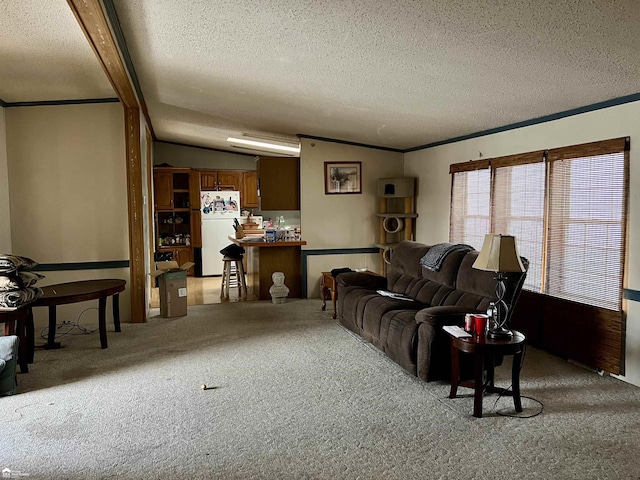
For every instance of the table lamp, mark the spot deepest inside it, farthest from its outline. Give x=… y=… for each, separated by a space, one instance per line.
x=500 y=255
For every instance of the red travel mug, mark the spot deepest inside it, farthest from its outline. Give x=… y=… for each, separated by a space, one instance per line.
x=480 y=323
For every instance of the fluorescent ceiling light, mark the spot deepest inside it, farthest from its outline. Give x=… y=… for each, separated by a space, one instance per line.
x=259 y=144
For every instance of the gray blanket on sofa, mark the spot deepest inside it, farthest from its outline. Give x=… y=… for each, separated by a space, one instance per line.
x=436 y=254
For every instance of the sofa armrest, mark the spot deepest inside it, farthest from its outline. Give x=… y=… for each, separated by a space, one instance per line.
x=369 y=281
x=443 y=315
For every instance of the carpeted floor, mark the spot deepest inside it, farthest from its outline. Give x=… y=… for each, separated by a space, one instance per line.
x=293 y=395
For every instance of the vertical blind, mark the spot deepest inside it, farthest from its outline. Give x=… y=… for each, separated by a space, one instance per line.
x=568 y=214
x=588 y=191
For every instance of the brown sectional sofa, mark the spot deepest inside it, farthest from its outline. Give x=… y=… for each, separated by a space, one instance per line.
x=410 y=332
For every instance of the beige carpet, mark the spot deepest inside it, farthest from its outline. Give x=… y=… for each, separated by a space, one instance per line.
x=296 y=396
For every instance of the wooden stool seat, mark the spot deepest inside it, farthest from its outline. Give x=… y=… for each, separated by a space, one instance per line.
x=233 y=276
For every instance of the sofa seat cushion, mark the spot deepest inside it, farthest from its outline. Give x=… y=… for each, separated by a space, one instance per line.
x=373 y=310
x=399 y=337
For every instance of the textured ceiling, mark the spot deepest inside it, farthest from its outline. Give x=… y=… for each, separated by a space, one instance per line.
x=397 y=74
x=44 y=54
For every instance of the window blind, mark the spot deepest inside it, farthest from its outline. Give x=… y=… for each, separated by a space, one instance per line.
x=588 y=192
x=518 y=205
x=470 y=203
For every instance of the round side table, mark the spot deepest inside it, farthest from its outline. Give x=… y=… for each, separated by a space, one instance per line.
x=483 y=348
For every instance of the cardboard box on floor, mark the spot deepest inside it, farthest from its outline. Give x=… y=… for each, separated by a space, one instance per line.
x=172 y=280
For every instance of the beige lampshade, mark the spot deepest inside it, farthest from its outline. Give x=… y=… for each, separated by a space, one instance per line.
x=499 y=254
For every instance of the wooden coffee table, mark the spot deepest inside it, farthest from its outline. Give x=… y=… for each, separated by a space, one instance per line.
x=482 y=347
x=73 y=292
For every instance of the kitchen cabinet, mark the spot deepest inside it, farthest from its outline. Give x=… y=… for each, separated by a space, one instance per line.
x=279 y=183
x=220 y=179
x=196 y=225
x=182 y=255
x=229 y=180
x=174 y=196
x=171 y=188
x=249 y=195
x=163 y=190
x=244 y=181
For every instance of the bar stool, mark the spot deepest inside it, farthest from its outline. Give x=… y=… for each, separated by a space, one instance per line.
x=233 y=269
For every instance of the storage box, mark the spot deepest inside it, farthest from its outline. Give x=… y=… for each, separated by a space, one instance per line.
x=172 y=280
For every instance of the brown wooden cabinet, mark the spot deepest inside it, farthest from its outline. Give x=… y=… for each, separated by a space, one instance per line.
x=174 y=212
x=163 y=190
x=279 y=183
x=244 y=181
x=220 y=179
x=249 y=196
x=229 y=180
x=208 y=180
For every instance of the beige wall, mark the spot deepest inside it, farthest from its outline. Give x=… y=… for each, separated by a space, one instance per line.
x=5 y=224
x=67 y=177
x=340 y=221
x=431 y=166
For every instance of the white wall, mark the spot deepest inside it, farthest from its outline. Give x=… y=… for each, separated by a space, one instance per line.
x=68 y=184
x=431 y=166
x=5 y=223
x=340 y=221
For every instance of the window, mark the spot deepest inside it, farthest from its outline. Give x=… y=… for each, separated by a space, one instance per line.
x=470 y=203
x=518 y=207
x=567 y=209
x=587 y=218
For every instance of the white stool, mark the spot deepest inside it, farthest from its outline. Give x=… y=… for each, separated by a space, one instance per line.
x=233 y=269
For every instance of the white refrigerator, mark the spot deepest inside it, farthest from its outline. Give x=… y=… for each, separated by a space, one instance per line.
x=219 y=209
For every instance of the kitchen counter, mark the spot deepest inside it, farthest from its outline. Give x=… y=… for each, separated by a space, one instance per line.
x=262 y=243
x=264 y=258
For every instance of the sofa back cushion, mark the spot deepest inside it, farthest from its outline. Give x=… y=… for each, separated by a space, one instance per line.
x=476 y=289
x=407 y=276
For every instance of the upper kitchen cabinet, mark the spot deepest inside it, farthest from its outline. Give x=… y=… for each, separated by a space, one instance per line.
x=229 y=180
x=220 y=179
x=249 y=197
x=244 y=181
x=279 y=183
x=171 y=188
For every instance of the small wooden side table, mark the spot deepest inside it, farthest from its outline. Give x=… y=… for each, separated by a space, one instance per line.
x=328 y=289
x=482 y=347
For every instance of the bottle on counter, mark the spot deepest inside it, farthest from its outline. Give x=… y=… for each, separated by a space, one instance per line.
x=281 y=224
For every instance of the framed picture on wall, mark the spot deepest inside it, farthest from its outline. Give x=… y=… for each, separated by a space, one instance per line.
x=342 y=178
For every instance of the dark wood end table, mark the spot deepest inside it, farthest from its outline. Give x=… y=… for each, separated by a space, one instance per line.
x=482 y=347
x=73 y=292
x=328 y=290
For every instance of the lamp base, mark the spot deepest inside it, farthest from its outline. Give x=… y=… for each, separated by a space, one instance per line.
x=499 y=333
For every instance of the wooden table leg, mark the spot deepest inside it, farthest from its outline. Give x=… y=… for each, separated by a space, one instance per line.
x=478 y=367
x=51 y=343
x=455 y=371
x=102 y=321
x=23 y=355
x=116 y=312
x=31 y=338
x=515 y=380
x=334 y=299
x=323 y=294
